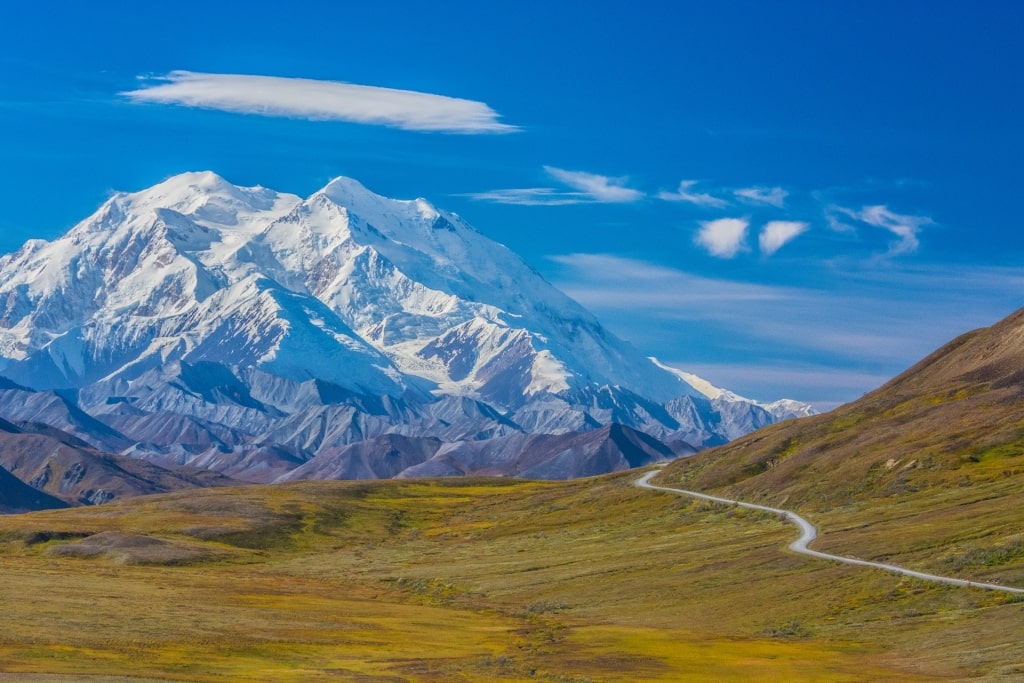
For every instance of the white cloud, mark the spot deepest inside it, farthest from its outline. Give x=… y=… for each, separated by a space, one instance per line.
x=904 y=227
x=633 y=284
x=683 y=194
x=773 y=196
x=315 y=100
x=835 y=223
x=724 y=237
x=588 y=188
x=777 y=233
x=881 y=315
x=601 y=188
x=530 y=196
x=615 y=266
x=859 y=323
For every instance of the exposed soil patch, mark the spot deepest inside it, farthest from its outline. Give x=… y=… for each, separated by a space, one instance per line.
x=124 y=548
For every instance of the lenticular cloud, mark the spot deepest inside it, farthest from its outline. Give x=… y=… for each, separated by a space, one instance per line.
x=315 y=100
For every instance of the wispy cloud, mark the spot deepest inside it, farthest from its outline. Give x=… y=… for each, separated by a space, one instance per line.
x=601 y=188
x=724 y=237
x=316 y=100
x=530 y=196
x=683 y=194
x=586 y=188
x=904 y=227
x=775 y=234
x=772 y=196
x=863 y=328
x=835 y=223
x=640 y=284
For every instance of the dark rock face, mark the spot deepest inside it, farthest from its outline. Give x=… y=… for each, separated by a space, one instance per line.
x=62 y=470
x=16 y=496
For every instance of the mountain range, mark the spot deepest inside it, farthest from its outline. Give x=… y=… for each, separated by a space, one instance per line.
x=924 y=473
x=197 y=324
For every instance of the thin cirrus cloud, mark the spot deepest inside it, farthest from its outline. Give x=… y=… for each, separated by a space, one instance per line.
x=724 y=237
x=775 y=234
x=615 y=282
x=958 y=297
x=600 y=188
x=530 y=196
x=317 y=100
x=584 y=188
x=684 y=194
x=771 y=196
x=904 y=227
x=852 y=326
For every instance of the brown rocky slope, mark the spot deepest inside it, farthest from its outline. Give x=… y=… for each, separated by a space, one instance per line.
x=955 y=418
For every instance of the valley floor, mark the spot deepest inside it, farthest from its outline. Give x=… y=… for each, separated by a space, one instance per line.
x=468 y=580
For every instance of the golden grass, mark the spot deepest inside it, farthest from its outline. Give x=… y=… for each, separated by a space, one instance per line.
x=473 y=580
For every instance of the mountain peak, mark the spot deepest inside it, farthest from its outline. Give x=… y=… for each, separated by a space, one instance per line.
x=191 y=183
x=211 y=200
x=345 y=185
x=398 y=306
x=374 y=208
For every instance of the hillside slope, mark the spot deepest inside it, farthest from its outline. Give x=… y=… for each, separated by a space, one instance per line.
x=934 y=459
x=958 y=413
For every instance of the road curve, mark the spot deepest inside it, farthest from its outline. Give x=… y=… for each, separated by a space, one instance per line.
x=808 y=533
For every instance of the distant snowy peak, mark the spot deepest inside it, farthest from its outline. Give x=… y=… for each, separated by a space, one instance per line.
x=699 y=383
x=787 y=408
x=782 y=409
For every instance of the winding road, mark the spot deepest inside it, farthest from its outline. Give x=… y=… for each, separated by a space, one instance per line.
x=808 y=533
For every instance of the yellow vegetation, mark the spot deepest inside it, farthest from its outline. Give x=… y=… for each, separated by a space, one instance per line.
x=470 y=580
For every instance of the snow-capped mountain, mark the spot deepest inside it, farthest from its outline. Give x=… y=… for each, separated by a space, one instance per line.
x=782 y=409
x=242 y=328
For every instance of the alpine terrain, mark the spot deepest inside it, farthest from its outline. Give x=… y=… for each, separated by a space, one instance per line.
x=268 y=337
x=504 y=579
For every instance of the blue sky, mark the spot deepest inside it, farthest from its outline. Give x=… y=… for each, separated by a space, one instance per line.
x=788 y=198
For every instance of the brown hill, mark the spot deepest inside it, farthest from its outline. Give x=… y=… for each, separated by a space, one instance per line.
x=612 y=448
x=53 y=462
x=17 y=496
x=927 y=470
x=956 y=417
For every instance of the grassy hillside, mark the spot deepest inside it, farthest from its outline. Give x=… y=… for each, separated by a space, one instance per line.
x=927 y=471
x=468 y=580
